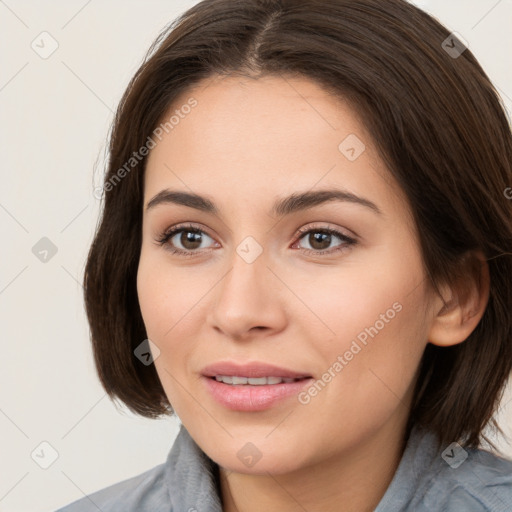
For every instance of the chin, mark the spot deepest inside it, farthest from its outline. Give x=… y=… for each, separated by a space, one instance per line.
x=254 y=459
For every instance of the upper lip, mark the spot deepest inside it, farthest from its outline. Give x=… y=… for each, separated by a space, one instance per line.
x=254 y=369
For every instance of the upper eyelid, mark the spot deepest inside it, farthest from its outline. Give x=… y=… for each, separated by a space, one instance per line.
x=298 y=233
x=347 y=241
x=327 y=227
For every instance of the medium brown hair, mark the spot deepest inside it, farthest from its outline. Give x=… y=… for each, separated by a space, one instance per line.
x=438 y=124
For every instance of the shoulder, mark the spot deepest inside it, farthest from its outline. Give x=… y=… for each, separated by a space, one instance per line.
x=448 y=478
x=482 y=482
x=146 y=491
x=187 y=481
x=473 y=480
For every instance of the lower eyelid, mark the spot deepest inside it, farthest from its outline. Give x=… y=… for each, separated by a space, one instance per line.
x=346 y=241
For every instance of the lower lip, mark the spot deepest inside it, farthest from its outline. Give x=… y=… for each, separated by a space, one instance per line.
x=253 y=398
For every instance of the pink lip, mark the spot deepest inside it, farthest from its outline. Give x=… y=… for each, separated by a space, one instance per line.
x=255 y=369
x=252 y=398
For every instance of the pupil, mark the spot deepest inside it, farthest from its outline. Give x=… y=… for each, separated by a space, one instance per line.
x=319 y=238
x=190 y=240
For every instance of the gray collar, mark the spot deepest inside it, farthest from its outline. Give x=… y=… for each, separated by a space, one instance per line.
x=192 y=477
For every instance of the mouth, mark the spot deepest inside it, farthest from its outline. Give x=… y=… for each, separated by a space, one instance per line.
x=234 y=380
x=252 y=387
x=254 y=370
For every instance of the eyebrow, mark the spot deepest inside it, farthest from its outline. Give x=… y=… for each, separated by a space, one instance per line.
x=284 y=206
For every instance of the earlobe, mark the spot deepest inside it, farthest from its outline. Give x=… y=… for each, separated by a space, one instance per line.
x=461 y=312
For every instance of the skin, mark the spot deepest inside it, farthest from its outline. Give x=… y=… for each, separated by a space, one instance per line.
x=247 y=143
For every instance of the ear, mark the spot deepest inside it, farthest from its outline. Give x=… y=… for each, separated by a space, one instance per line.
x=465 y=302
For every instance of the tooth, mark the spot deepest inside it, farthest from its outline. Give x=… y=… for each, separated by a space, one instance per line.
x=253 y=381
x=260 y=381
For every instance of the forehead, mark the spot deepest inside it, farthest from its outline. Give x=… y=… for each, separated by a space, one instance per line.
x=270 y=136
x=259 y=118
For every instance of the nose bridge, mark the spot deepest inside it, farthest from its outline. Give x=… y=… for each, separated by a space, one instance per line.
x=246 y=296
x=247 y=281
x=249 y=258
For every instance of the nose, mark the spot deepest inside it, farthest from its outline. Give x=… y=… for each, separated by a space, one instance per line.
x=248 y=301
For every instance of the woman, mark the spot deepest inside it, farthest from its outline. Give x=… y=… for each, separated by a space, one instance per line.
x=305 y=250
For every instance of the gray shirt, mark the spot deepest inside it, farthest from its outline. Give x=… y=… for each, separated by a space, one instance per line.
x=427 y=479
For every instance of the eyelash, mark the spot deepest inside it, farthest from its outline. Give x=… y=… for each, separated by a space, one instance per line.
x=164 y=238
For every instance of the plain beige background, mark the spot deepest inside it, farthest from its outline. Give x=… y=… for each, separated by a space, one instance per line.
x=56 y=113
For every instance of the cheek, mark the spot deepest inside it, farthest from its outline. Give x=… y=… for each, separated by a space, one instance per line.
x=381 y=334
x=166 y=295
x=154 y=296
x=164 y=305
x=373 y=294
x=369 y=312
x=171 y=300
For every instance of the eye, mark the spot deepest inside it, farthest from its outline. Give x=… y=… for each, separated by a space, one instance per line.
x=319 y=240
x=190 y=237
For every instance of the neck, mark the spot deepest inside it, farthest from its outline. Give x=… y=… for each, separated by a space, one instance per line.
x=353 y=481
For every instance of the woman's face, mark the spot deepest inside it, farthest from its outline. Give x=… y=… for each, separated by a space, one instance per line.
x=251 y=296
